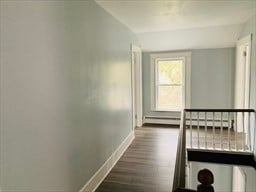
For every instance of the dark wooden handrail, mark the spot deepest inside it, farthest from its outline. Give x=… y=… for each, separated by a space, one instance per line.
x=179 y=173
x=220 y=110
x=179 y=189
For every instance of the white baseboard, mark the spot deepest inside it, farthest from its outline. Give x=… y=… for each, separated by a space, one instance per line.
x=176 y=121
x=99 y=176
x=160 y=120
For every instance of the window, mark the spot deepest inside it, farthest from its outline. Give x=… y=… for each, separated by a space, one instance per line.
x=169 y=84
x=170 y=77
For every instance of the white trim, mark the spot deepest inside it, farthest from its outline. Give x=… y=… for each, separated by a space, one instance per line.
x=103 y=171
x=133 y=90
x=136 y=68
x=135 y=48
x=244 y=40
x=188 y=80
x=186 y=55
x=176 y=121
x=171 y=54
x=242 y=79
x=159 y=120
x=239 y=179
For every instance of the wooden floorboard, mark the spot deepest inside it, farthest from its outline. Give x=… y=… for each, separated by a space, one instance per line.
x=147 y=165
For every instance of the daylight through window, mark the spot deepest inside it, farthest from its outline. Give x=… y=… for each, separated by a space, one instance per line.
x=169 y=83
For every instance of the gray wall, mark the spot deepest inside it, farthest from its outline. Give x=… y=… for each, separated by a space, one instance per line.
x=65 y=93
x=212 y=73
x=250 y=27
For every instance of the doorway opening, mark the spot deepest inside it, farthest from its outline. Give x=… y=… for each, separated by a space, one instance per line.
x=242 y=83
x=136 y=86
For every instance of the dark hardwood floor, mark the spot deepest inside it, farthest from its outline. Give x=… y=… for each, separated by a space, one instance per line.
x=147 y=165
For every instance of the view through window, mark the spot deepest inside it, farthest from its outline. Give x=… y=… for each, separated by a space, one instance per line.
x=169 y=81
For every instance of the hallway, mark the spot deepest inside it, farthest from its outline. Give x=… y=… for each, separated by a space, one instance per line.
x=147 y=165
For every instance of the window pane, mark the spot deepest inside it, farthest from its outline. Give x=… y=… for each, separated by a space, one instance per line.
x=169 y=97
x=170 y=72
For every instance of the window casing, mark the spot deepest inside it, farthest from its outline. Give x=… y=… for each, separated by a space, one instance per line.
x=170 y=80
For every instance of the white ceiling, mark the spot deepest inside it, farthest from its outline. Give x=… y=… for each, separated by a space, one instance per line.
x=195 y=38
x=158 y=16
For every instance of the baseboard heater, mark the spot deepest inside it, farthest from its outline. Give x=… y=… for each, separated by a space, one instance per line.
x=161 y=120
x=176 y=121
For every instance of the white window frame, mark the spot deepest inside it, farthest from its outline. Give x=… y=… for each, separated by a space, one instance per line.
x=186 y=57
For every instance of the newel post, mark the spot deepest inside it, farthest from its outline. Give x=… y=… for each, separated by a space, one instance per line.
x=205 y=177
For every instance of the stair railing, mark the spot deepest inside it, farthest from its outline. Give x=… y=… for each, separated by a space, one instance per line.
x=220 y=129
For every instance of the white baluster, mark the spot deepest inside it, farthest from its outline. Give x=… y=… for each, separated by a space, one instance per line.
x=221 y=130
x=229 y=127
x=213 y=131
x=243 y=132
x=235 y=118
x=249 y=131
x=190 y=115
x=205 y=130
x=198 y=142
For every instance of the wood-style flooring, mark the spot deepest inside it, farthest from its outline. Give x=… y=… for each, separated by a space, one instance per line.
x=147 y=165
